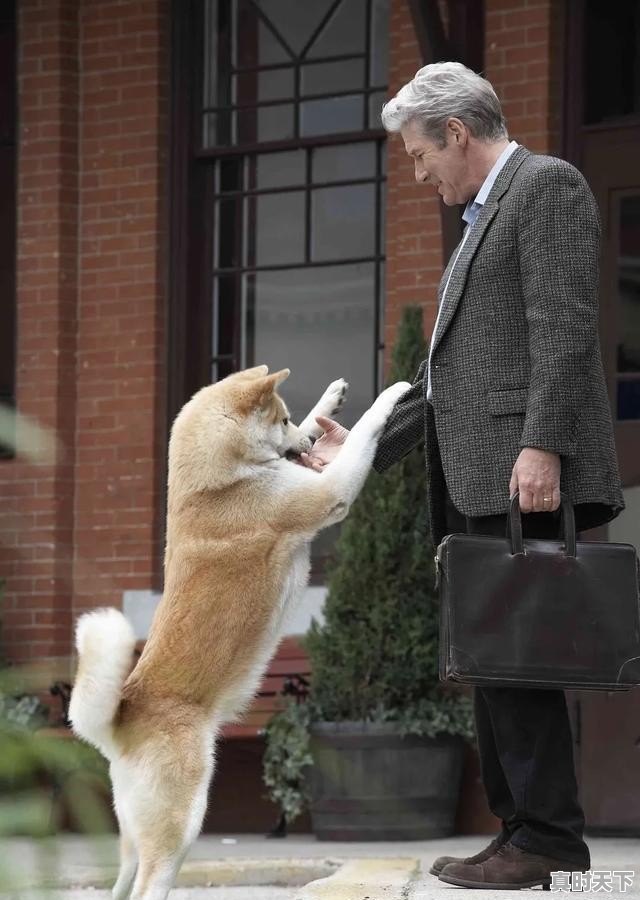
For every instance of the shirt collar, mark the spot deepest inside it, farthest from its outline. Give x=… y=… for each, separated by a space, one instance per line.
x=474 y=206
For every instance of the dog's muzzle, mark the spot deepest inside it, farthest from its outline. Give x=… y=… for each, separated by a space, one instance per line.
x=294 y=454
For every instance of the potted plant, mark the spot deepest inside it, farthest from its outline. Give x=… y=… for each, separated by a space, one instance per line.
x=385 y=737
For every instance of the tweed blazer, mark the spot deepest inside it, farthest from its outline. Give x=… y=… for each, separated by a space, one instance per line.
x=515 y=361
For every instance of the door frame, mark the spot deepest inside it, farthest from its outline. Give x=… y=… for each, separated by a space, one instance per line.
x=610 y=165
x=599 y=719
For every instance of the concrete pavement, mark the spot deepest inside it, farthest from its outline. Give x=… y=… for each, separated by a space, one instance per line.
x=247 y=867
x=233 y=893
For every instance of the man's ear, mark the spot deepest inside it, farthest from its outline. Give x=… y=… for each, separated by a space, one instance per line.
x=458 y=130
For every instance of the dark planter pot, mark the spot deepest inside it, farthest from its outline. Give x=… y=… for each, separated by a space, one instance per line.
x=368 y=783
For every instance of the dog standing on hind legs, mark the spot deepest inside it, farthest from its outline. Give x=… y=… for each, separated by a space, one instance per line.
x=240 y=519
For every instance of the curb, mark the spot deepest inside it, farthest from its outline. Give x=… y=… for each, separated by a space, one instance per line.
x=319 y=879
x=365 y=879
x=215 y=873
x=254 y=872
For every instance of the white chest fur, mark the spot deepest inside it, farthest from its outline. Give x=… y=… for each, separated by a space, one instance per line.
x=295 y=582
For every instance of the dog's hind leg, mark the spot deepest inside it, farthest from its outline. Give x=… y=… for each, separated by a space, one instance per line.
x=163 y=847
x=128 y=853
x=166 y=810
x=128 y=866
x=156 y=876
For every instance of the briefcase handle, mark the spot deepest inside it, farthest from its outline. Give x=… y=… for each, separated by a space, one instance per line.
x=568 y=520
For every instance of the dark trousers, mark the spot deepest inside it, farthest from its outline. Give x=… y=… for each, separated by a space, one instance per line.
x=524 y=740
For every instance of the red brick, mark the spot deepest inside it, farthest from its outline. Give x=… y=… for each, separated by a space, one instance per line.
x=60 y=66
x=521 y=55
x=520 y=18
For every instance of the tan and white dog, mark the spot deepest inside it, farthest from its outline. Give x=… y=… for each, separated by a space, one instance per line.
x=239 y=524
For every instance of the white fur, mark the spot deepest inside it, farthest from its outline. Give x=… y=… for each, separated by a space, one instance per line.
x=105 y=643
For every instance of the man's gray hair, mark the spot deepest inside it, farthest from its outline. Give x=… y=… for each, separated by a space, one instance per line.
x=444 y=90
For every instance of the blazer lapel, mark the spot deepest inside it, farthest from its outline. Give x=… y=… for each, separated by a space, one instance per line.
x=445 y=274
x=459 y=268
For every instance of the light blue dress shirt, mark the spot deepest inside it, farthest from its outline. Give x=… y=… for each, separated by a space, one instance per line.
x=470 y=215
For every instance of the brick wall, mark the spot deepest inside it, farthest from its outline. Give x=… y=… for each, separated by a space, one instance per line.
x=80 y=526
x=120 y=374
x=413 y=237
x=37 y=520
x=523 y=57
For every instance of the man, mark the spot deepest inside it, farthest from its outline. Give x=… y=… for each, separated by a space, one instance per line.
x=511 y=398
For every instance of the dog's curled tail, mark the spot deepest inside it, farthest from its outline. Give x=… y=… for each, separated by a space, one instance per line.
x=105 y=643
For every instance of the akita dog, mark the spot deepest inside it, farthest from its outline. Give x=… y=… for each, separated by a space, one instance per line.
x=240 y=519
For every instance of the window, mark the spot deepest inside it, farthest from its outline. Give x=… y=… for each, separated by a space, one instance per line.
x=628 y=347
x=611 y=60
x=298 y=248
x=7 y=205
x=290 y=127
x=283 y=69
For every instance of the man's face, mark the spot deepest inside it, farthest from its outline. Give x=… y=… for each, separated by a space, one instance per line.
x=446 y=168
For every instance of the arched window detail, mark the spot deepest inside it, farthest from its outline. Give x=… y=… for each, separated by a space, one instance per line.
x=291 y=135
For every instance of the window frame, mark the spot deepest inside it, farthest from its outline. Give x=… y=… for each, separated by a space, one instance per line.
x=225 y=101
x=237 y=352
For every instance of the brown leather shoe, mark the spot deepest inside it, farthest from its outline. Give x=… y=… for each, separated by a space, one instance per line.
x=442 y=861
x=508 y=868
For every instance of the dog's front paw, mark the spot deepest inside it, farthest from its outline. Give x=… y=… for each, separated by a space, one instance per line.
x=333 y=398
x=384 y=404
x=390 y=396
x=397 y=390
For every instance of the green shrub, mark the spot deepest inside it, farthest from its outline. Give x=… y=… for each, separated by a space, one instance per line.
x=286 y=758
x=44 y=778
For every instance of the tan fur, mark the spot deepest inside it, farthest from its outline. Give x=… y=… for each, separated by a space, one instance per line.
x=239 y=522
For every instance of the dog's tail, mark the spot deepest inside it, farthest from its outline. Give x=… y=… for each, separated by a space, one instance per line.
x=105 y=643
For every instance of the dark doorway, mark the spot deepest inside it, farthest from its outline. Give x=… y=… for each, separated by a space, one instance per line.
x=602 y=120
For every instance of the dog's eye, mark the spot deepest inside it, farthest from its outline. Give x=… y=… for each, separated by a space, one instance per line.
x=285 y=422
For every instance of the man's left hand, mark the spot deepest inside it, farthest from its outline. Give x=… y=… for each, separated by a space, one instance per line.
x=536 y=475
x=327 y=447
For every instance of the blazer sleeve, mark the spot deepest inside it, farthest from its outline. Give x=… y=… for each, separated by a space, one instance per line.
x=558 y=248
x=405 y=426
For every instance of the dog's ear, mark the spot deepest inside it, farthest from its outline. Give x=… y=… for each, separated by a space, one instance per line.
x=279 y=377
x=258 y=392
x=268 y=385
x=250 y=374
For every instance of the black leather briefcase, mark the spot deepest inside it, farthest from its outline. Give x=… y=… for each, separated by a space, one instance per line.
x=539 y=613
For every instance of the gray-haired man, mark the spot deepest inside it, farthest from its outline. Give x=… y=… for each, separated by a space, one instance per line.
x=511 y=398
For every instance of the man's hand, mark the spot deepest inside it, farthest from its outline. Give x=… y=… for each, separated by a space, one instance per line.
x=536 y=475
x=327 y=447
